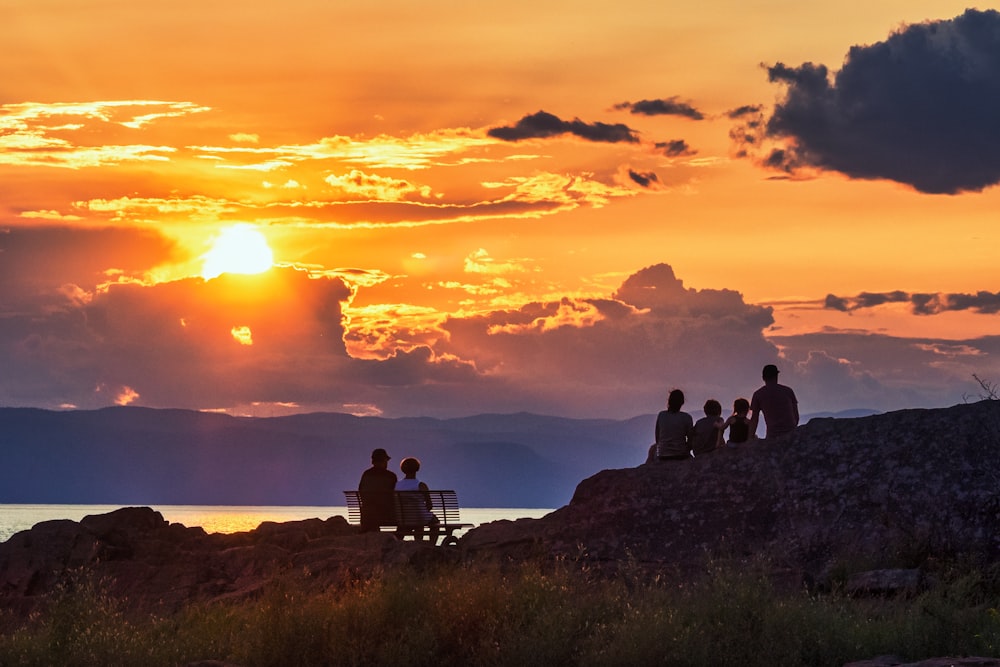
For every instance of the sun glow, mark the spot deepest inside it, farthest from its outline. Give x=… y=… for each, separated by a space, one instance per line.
x=237 y=249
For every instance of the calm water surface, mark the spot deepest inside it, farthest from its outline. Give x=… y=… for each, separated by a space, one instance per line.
x=223 y=518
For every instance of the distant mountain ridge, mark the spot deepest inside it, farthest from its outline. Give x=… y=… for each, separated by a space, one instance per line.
x=131 y=455
x=135 y=455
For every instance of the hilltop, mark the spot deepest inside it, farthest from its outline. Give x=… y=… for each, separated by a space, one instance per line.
x=889 y=490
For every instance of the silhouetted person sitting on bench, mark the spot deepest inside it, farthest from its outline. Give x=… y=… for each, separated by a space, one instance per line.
x=415 y=503
x=376 y=493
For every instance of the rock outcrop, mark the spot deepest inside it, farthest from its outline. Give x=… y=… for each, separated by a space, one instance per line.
x=150 y=564
x=885 y=491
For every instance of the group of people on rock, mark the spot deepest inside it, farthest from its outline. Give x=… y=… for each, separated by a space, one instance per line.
x=377 y=493
x=679 y=437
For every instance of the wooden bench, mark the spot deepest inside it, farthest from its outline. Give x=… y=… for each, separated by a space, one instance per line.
x=409 y=515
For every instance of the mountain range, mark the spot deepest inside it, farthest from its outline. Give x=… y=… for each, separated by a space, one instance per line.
x=145 y=456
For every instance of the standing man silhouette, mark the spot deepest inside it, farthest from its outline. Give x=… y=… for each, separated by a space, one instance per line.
x=777 y=402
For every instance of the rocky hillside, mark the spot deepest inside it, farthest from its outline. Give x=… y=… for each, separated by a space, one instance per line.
x=887 y=491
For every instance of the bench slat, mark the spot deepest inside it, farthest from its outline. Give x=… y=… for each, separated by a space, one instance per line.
x=409 y=514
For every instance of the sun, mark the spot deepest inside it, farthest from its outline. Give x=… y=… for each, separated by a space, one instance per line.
x=237 y=249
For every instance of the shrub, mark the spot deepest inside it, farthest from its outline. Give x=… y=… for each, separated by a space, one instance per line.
x=496 y=614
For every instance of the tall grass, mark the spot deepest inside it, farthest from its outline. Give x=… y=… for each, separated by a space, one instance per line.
x=523 y=615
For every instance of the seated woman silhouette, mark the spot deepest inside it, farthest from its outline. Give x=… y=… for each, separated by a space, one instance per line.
x=415 y=503
x=674 y=429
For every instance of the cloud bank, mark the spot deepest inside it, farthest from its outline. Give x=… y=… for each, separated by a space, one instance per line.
x=919 y=108
x=288 y=338
x=983 y=302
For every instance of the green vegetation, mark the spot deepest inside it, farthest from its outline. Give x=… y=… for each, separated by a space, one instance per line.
x=526 y=615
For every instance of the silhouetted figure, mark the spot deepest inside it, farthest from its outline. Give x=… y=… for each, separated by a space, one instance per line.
x=376 y=493
x=707 y=434
x=738 y=423
x=777 y=402
x=415 y=505
x=673 y=430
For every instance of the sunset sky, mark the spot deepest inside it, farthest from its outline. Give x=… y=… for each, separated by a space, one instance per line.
x=448 y=208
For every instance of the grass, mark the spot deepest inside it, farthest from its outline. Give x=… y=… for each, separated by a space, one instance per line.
x=504 y=614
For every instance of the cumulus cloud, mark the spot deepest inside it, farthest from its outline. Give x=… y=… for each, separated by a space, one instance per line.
x=984 y=302
x=372 y=186
x=542 y=125
x=919 y=108
x=653 y=333
x=846 y=370
x=671 y=106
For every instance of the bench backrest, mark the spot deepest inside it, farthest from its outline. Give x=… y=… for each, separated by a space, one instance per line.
x=408 y=505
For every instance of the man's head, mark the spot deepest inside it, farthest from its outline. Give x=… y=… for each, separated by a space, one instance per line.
x=675 y=400
x=770 y=373
x=379 y=457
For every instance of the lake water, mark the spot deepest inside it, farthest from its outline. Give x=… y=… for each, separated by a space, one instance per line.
x=223 y=518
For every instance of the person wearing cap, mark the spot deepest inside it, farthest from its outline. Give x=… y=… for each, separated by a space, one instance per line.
x=778 y=404
x=375 y=491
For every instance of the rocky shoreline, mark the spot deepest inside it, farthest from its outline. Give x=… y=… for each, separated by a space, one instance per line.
x=883 y=496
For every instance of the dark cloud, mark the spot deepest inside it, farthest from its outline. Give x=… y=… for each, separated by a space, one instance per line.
x=542 y=124
x=834 y=302
x=986 y=303
x=670 y=106
x=645 y=179
x=744 y=111
x=675 y=148
x=919 y=108
x=872 y=299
